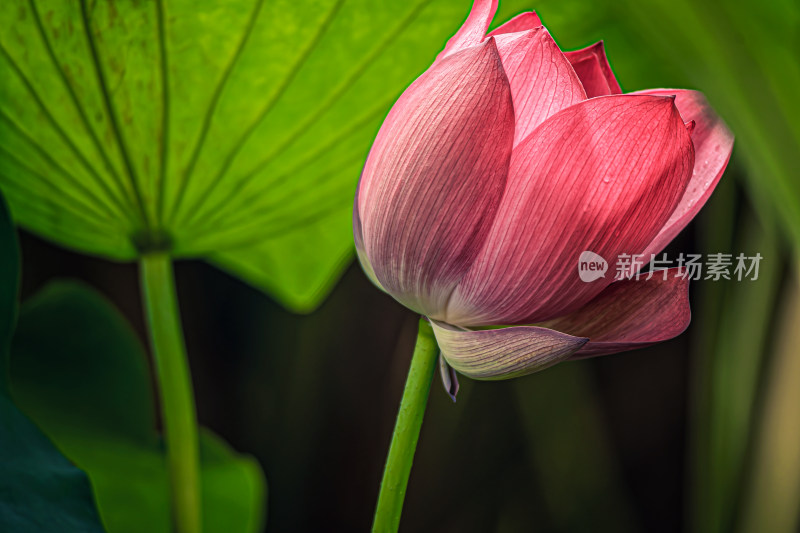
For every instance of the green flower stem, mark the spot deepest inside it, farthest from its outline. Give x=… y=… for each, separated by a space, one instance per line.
x=175 y=389
x=406 y=431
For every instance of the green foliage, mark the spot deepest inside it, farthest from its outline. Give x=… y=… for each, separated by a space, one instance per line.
x=731 y=347
x=87 y=384
x=231 y=130
x=744 y=58
x=40 y=490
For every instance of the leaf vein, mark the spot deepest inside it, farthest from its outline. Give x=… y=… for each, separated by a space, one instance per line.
x=56 y=125
x=118 y=200
x=335 y=95
x=165 y=107
x=206 y=125
x=103 y=85
x=67 y=206
x=276 y=97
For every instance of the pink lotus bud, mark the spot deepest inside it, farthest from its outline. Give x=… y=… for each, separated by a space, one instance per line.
x=503 y=163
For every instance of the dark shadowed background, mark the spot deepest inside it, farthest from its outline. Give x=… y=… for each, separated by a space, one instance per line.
x=593 y=445
x=697 y=434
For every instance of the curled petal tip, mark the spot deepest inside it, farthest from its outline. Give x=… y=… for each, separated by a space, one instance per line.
x=598 y=46
x=474 y=28
x=522 y=22
x=712 y=142
x=542 y=80
x=592 y=67
x=690 y=126
x=449 y=378
x=666 y=100
x=669 y=104
x=488 y=48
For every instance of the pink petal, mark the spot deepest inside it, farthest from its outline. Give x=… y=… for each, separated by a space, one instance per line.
x=522 y=22
x=358 y=237
x=591 y=65
x=542 y=80
x=503 y=353
x=435 y=176
x=604 y=176
x=713 y=143
x=473 y=31
x=631 y=314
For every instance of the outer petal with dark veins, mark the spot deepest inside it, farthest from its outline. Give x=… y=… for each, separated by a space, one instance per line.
x=591 y=65
x=542 y=80
x=631 y=313
x=603 y=175
x=435 y=176
x=504 y=352
x=713 y=143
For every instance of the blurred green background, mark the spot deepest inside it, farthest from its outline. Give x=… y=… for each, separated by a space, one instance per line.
x=699 y=434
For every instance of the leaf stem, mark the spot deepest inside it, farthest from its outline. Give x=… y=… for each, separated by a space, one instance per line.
x=406 y=432
x=175 y=389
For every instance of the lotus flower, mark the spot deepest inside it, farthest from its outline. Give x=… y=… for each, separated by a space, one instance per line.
x=505 y=161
